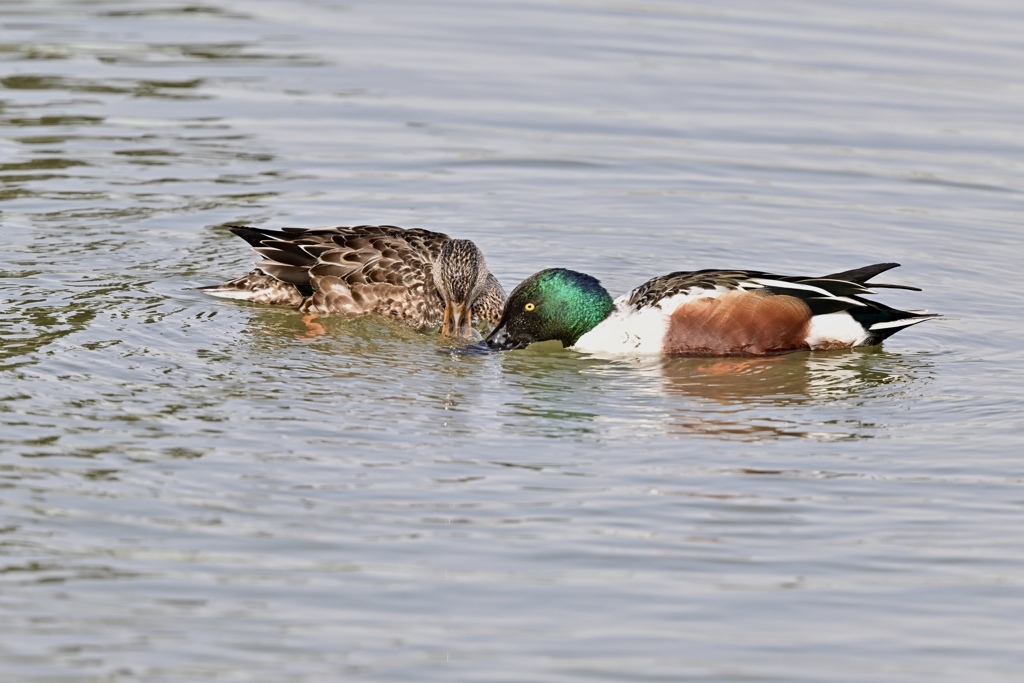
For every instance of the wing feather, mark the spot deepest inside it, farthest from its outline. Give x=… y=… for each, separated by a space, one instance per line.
x=829 y=294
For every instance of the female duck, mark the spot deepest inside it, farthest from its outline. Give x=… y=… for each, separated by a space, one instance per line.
x=701 y=313
x=418 y=277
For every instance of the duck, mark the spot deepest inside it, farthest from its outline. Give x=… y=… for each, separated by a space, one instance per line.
x=700 y=313
x=415 y=276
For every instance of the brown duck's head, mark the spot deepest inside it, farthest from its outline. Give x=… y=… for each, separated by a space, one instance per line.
x=463 y=281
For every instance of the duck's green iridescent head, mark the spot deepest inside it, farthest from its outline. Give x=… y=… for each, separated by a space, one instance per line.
x=553 y=304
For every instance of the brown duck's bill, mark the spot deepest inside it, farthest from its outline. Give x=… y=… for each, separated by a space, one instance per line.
x=457 y=321
x=497 y=340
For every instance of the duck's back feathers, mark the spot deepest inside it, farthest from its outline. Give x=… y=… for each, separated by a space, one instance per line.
x=291 y=253
x=385 y=271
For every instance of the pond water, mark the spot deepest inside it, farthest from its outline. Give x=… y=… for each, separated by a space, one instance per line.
x=193 y=490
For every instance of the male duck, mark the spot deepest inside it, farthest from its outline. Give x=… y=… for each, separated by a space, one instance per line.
x=418 y=277
x=700 y=313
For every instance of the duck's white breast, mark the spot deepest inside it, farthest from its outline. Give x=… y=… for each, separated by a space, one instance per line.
x=636 y=331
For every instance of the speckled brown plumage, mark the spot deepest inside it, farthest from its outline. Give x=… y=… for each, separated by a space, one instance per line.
x=364 y=270
x=491 y=304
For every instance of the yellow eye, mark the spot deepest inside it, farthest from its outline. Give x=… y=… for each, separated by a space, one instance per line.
x=530 y=306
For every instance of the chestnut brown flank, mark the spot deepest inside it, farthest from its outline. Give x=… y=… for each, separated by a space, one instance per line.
x=739 y=323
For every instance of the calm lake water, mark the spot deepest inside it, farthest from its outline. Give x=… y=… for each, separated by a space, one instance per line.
x=193 y=491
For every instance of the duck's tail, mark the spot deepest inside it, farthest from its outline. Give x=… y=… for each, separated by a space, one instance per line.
x=258 y=287
x=281 y=278
x=881 y=321
x=878 y=320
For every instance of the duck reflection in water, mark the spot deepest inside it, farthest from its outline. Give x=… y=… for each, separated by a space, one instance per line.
x=737 y=396
x=815 y=395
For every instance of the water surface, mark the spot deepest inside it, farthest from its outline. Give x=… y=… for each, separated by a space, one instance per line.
x=195 y=490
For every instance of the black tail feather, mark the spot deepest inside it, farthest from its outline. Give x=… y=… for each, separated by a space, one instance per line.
x=862 y=275
x=255 y=236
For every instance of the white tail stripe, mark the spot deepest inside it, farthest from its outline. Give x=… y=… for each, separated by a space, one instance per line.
x=239 y=294
x=906 y=322
x=847 y=300
x=790 y=285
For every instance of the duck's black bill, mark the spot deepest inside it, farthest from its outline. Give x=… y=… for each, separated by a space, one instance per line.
x=498 y=340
